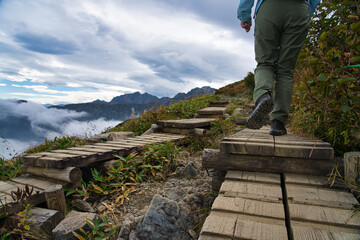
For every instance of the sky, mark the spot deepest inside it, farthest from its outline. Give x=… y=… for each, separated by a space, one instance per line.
x=76 y=51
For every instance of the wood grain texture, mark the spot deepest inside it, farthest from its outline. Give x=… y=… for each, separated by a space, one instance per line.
x=249 y=207
x=253 y=177
x=352 y=167
x=320 y=197
x=186 y=123
x=256 y=163
x=273 y=191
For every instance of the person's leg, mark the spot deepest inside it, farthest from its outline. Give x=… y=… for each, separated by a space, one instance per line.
x=267 y=40
x=295 y=26
x=266 y=50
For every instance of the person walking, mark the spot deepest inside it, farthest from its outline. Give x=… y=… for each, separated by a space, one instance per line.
x=281 y=27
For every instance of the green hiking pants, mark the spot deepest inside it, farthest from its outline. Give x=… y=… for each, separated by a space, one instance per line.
x=281 y=27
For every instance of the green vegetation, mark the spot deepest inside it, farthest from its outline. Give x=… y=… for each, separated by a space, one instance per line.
x=326 y=100
x=9 y=169
x=180 y=110
x=58 y=143
x=156 y=162
x=97 y=230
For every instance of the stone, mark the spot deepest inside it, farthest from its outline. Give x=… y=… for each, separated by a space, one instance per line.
x=72 y=222
x=125 y=229
x=113 y=136
x=98 y=138
x=190 y=170
x=165 y=218
x=82 y=205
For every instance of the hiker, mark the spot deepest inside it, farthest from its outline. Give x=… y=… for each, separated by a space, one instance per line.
x=281 y=27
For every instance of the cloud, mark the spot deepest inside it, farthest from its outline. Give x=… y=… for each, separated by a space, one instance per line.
x=104 y=49
x=25 y=124
x=45 y=44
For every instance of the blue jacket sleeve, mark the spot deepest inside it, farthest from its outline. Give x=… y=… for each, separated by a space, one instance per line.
x=244 y=10
x=313 y=4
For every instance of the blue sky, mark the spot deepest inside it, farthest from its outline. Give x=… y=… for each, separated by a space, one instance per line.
x=72 y=51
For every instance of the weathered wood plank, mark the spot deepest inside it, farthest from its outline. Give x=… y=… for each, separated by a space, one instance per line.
x=250 y=188
x=320 y=196
x=253 y=177
x=69 y=174
x=352 y=167
x=212 y=111
x=186 y=123
x=237 y=226
x=37 y=182
x=255 y=163
x=249 y=207
x=268 y=149
x=281 y=141
x=324 y=215
x=258 y=230
x=313 y=233
x=220 y=224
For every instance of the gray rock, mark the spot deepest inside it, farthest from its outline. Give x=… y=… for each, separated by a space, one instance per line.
x=119 y=135
x=190 y=170
x=72 y=222
x=165 y=219
x=125 y=229
x=82 y=205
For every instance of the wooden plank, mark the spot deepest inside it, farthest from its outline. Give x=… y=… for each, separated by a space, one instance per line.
x=186 y=123
x=237 y=226
x=9 y=186
x=92 y=148
x=352 y=167
x=255 y=163
x=246 y=229
x=71 y=151
x=313 y=233
x=212 y=111
x=268 y=149
x=281 y=141
x=250 y=188
x=249 y=207
x=320 y=197
x=253 y=177
x=40 y=183
x=219 y=224
x=324 y=215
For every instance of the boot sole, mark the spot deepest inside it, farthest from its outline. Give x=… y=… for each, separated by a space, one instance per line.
x=256 y=119
x=278 y=133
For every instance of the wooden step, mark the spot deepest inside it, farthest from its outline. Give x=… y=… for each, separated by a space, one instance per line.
x=212 y=111
x=318 y=211
x=186 y=123
x=88 y=154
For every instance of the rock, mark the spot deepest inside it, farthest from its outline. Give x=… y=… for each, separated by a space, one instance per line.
x=98 y=138
x=125 y=229
x=165 y=218
x=72 y=222
x=113 y=136
x=190 y=170
x=193 y=234
x=82 y=205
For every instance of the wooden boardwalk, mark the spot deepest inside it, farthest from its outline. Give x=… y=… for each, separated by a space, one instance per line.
x=275 y=188
x=254 y=205
x=62 y=167
x=87 y=154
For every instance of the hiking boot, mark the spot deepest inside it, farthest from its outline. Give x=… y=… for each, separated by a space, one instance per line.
x=277 y=128
x=263 y=107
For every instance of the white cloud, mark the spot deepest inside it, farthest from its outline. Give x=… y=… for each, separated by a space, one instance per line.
x=115 y=47
x=2 y=84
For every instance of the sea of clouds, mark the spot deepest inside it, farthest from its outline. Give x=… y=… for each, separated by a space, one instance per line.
x=26 y=124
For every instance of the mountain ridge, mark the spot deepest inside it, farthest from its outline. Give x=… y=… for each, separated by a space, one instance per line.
x=127 y=105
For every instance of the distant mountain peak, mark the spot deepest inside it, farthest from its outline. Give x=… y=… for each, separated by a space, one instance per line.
x=134 y=98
